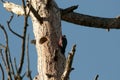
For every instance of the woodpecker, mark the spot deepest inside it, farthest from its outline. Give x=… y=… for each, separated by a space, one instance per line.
x=63 y=43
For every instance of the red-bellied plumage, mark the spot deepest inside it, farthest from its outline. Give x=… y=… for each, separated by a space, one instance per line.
x=63 y=43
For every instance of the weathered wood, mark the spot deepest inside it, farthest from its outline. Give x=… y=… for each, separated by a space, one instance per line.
x=50 y=60
x=47 y=32
x=80 y=19
x=91 y=21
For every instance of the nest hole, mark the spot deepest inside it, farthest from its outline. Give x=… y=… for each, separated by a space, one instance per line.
x=43 y=40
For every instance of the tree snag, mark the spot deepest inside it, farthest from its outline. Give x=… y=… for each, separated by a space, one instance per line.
x=46 y=20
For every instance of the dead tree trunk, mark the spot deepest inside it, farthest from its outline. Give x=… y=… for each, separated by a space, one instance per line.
x=46 y=20
x=47 y=32
x=49 y=42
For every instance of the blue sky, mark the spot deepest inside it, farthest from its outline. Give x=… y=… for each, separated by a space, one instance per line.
x=98 y=51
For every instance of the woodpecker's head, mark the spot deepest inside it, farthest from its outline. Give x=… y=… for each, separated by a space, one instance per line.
x=64 y=36
x=63 y=43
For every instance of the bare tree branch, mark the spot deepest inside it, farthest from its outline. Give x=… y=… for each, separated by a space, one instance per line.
x=1 y=68
x=17 y=75
x=68 y=10
x=11 y=7
x=73 y=17
x=68 y=66
x=3 y=59
x=9 y=58
x=8 y=63
x=67 y=15
x=96 y=78
x=91 y=21
x=35 y=13
x=6 y=54
x=28 y=60
x=15 y=64
x=24 y=38
x=8 y=23
x=11 y=64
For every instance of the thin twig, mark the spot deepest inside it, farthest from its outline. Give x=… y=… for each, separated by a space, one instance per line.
x=96 y=78
x=68 y=67
x=11 y=64
x=23 y=76
x=2 y=72
x=15 y=64
x=9 y=57
x=28 y=60
x=3 y=59
x=24 y=39
x=8 y=23
x=6 y=53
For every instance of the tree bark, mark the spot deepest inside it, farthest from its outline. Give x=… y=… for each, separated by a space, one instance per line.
x=92 y=21
x=51 y=61
x=70 y=16
x=46 y=20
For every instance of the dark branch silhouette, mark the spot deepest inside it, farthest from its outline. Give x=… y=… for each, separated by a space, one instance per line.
x=3 y=76
x=8 y=23
x=10 y=69
x=24 y=38
x=90 y=21
x=35 y=13
x=7 y=63
x=97 y=76
x=28 y=72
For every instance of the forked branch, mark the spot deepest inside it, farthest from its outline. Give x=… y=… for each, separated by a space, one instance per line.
x=24 y=38
x=8 y=23
x=90 y=21
x=68 y=67
x=6 y=60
